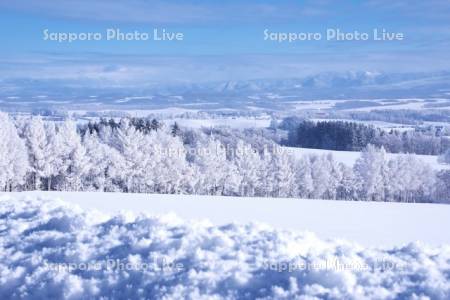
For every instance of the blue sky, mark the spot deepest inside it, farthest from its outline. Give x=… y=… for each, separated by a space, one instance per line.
x=223 y=40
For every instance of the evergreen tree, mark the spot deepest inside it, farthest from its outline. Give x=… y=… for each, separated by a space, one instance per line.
x=176 y=131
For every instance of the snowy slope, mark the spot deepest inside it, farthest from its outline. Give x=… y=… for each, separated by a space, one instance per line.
x=368 y=223
x=52 y=250
x=349 y=157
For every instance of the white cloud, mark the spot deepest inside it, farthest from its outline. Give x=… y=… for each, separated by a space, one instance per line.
x=141 y=69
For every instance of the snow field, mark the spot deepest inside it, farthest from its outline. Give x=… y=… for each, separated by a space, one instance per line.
x=52 y=249
x=371 y=224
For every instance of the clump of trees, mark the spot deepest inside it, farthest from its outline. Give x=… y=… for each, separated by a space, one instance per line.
x=351 y=136
x=399 y=116
x=142 y=156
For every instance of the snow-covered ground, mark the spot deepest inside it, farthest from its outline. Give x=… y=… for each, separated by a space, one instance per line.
x=378 y=104
x=368 y=223
x=53 y=250
x=349 y=157
x=231 y=122
x=137 y=113
x=171 y=115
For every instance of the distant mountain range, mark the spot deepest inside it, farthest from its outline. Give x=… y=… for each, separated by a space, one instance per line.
x=346 y=85
x=337 y=81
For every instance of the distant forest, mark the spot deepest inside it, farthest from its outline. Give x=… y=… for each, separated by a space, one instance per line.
x=351 y=136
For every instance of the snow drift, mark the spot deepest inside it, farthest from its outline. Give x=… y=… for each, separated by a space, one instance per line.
x=50 y=249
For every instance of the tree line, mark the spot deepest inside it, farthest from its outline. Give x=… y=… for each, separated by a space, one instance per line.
x=351 y=136
x=125 y=156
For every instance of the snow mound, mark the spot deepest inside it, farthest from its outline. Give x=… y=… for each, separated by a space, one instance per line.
x=50 y=249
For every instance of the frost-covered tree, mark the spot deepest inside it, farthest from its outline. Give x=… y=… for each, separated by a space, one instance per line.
x=71 y=161
x=323 y=178
x=445 y=158
x=305 y=183
x=132 y=144
x=346 y=188
x=442 y=193
x=409 y=179
x=40 y=138
x=371 y=173
x=267 y=185
x=105 y=165
x=247 y=162
x=13 y=155
x=171 y=169
x=212 y=167
x=281 y=174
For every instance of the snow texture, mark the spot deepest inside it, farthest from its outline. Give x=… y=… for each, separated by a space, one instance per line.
x=371 y=224
x=50 y=250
